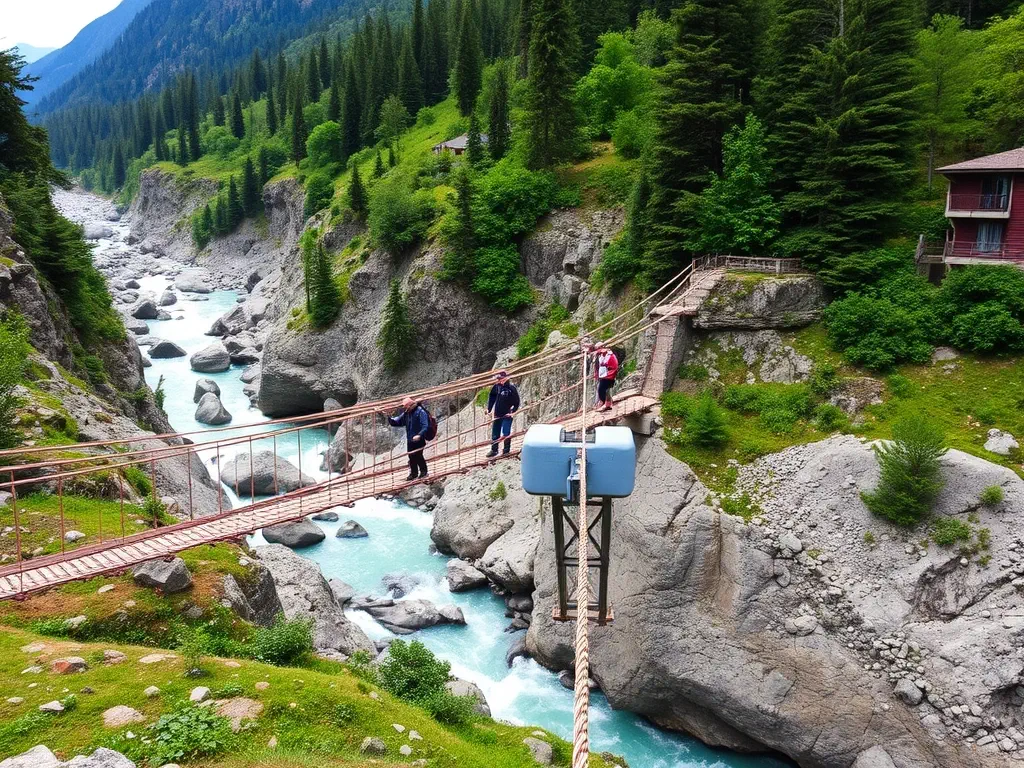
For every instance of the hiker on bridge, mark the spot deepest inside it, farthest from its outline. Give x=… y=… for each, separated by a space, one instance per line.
x=503 y=402
x=416 y=420
x=606 y=369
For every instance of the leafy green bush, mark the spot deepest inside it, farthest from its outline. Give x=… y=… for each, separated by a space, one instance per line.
x=412 y=672
x=866 y=269
x=319 y=192
x=193 y=645
x=981 y=308
x=877 y=333
x=947 y=531
x=706 y=424
x=284 y=642
x=137 y=479
x=991 y=496
x=323 y=147
x=498 y=492
x=910 y=472
x=499 y=281
x=228 y=691
x=619 y=263
x=899 y=385
x=675 y=405
x=830 y=418
x=780 y=406
x=824 y=380
x=360 y=664
x=631 y=134
x=508 y=201
x=987 y=327
x=447 y=708
x=188 y=733
x=398 y=216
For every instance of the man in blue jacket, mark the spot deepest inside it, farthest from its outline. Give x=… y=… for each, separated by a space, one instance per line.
x=503 y=402
x=414 y=418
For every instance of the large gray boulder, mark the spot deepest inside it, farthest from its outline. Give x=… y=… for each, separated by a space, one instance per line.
x=501 y=534
x=191 y=282
x=876 y=757
x=145 y=310
x=304 y=594
x=168 y=298
x=699 y=643
x=170 y=577
x=203 y=386
x=136 y=326
x=350 y=529
x=460 y=687
x=235 y=320
x=166 y=349
x=265 y=474
x=211 y=410
x=211 y=359
x=255 y=597
x=296 y=535
x=769 y=302
x=462 y=576
x=403 y=617
x=41 y=757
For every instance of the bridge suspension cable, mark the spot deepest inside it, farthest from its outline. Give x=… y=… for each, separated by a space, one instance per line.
x=581 y=692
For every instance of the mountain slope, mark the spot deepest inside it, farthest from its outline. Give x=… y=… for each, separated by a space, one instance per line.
x=56 y=68
x=168 y=36
x=32 y=52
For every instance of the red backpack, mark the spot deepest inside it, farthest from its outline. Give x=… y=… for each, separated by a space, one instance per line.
x=431 y=425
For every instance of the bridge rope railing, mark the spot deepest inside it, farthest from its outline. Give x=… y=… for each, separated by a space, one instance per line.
x=555 y=362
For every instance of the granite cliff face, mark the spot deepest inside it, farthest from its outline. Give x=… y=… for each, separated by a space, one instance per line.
x=792 y=633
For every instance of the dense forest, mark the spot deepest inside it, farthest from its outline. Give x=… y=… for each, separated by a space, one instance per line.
x=808 y=128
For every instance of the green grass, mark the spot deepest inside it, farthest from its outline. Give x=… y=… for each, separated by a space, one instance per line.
x=318 y=717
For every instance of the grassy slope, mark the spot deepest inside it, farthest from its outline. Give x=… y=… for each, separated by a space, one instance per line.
x=301 y=711
x=976 y=395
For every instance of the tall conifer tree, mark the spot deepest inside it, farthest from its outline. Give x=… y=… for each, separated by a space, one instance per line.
x=235 y=210
x=550 y=110
x=271 y=111
x=334 y=104
x=498 y=133
x=410 y=83
x=350 y=116
x=467 y=76
x=218 y=110
x=194 y=149
x=237 y=121
x=459 y=261
x=356 y=192
x=251 y=198
x=312 y=79
x=325 y=65
x=159 y=136
x=298 y=129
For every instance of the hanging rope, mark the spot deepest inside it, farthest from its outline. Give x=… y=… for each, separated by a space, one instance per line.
x=581 y=699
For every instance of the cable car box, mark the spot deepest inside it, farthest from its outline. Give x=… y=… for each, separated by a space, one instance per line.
x=549 y=453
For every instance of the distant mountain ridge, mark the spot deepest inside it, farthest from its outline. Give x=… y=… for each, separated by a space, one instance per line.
x=56 y=68
x=167 y=37
x=32 y=53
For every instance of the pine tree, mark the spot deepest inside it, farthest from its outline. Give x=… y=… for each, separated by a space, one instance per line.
x=182 y=156
x=252 y=201
x=524 y=34
x=312 y=79
x=271 y=112
x=858 y=123
x=167 y=108
x=435 y=59
x=118 y=165
x=392 y=159
x=417 y=33
x=699 y=101
x=221 y=225
x=194 y=149
x=298 y=129
x=235 y=212
x=325 y=65
x=334 y=104
x=264 y=169
x=499 y=130
x=474 y=145
x=207 y=220
x=378 y=166
x=324 y=294
x=459 y=260
x=356 y=192
x=397 y=333
x=159 y=136
x=351 y=114
x=550 y=111
x=387 y=60
x=237 y=122
x=218 y=110
x=410 y=82
x=467 y=76
x=911 y=472
x=258 y=75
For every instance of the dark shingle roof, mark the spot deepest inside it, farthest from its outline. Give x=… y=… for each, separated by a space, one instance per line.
x=459 y=142
x=1013 y=160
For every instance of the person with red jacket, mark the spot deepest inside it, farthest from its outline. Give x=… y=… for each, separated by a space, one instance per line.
x=605 y=371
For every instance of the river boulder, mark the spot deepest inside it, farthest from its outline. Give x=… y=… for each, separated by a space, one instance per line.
x=211 y=410
x=304 y=594
x=296 y=535
x=463 y=577
x=460 y=687
x=203 y=387
x=169 y=577
x=350 y=529
x=136 y=326
x=189 y=282
x=235 y=320
x=404 y=617
x=211 y=359
x=165 y=349
x=268 y=474
x=146 y=309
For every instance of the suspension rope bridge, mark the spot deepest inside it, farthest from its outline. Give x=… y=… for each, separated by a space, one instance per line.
x=461 y=444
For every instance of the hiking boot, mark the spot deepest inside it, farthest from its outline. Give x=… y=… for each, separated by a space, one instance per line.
x=412 y=476
x=424 y=476
x=493 y=452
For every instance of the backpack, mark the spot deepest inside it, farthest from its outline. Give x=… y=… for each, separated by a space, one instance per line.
x=431 y=425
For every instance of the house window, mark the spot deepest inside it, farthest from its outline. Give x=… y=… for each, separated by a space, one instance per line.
x=995 y=193
x=990 y=236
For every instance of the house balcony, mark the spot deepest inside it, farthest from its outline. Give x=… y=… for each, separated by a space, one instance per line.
x=950 y=252
x=984 y=206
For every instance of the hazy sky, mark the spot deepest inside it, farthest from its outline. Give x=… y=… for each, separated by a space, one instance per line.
x=47 y=23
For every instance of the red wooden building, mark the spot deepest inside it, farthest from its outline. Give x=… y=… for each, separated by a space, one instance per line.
x=985 y=207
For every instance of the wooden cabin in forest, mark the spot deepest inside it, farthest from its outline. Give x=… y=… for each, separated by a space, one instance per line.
x=457 y=146
x=985 y=208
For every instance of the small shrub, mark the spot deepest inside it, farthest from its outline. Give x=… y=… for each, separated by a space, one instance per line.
x=947 y=531
x=284 y=642
x=536 y=335
x=447 y=708
x=910 y=474
x=193 y=644
x=343 y=714
x=899 y=385
x=991 y=496
x=319 y=191
x=693 y=372
x=499 y=281
x=158 y=394
x=675 y=405
x=498 y=492
x=412 y=672
x=360 y=664
x=228 y=691
x=869 y=538
x=741 y=506
x=986 y=416
x=153 y=509
x=830 y=418
x=137 y=479
x=188 y=733
x=824 y=380
x=706 y=424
